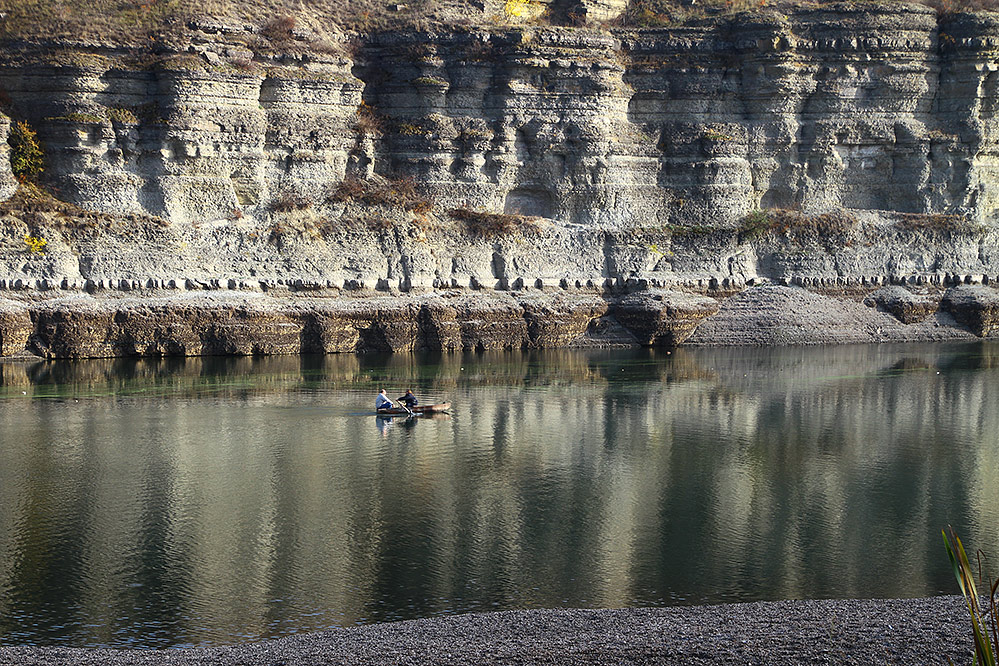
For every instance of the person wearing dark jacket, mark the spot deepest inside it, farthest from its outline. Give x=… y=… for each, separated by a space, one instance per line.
x=409 y=399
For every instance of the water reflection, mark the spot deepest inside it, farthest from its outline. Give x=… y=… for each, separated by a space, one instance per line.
x=189 y=501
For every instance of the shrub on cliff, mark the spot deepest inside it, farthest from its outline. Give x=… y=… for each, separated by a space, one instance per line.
x=493 y=224
x=280 y=30
x=27 y=161
x=394 y=192
x=368 y=121
x=935 y=222
x=795 y=224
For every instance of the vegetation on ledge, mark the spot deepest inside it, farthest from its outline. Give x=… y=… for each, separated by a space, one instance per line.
x=279 y=24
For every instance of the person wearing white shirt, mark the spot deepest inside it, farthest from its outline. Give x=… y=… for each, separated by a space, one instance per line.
x=382 y=401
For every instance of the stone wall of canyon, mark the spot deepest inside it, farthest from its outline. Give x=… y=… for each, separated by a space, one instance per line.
x=625 y=174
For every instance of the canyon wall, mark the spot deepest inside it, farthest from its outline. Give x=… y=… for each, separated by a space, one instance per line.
x=860 y=107
x=837 y=149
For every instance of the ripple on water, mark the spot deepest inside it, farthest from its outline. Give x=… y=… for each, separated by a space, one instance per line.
x=225 y=505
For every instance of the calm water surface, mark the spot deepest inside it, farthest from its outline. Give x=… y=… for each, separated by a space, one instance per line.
x=210 y=501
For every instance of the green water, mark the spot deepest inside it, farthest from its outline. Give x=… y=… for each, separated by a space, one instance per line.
x=211 y=501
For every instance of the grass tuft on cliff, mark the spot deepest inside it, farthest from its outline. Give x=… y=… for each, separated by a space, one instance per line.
x=791 y=223
x=378 y=191
x=493 y=225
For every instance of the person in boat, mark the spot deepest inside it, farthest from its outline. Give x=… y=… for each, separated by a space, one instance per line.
x=382 y=401
x=409 y=400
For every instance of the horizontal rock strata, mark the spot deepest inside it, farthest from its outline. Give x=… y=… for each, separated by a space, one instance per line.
x=803 y=108
x=227 y=323
x=663 y=319
x=781 y=167
x=977 y=307
x=904 y=305
x=212 y=324
x=778 y=315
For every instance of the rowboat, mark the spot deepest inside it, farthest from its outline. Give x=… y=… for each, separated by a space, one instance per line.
x=419 y=409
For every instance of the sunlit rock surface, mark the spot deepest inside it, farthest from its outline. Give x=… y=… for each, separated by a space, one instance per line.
x=837 y=149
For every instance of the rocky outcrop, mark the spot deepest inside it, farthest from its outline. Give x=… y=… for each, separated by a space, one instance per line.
x=82 y=326
x=525 y=186
x=15 y=327
x=662 y=318
x=777 y=316
x=904 y=305
x=196 y=323
x=975 y=306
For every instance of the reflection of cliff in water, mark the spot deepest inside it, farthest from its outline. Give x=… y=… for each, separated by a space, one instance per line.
x=276 y=373
x=563 y=478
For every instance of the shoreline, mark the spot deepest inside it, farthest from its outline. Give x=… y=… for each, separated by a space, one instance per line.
x=895 y=631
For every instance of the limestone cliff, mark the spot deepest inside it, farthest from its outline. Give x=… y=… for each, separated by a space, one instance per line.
x=837 y=148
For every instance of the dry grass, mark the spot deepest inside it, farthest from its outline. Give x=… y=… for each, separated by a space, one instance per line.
x=660 y=13
x=289 y=201
x=796 y=225
x=396 y=193
x=151 y=22
x=492 y=225
x=36 y=205
x=142 y=22
x=938 y=222
x=368 y=120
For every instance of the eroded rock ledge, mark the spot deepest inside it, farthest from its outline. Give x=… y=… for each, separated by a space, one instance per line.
x=241 y=324
x=246 y=323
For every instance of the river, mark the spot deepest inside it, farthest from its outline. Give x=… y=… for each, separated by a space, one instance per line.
x=179 y=502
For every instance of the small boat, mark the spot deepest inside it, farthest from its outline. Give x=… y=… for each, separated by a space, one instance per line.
x=419 y=409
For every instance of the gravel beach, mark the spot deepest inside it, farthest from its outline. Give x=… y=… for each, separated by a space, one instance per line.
x=894 y=631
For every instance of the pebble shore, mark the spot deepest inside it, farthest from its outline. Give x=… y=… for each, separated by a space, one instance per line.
x=894 y=631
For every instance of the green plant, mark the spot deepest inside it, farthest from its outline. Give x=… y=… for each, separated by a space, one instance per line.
x=711 y=135
x=658 y=251
x=35 y=245
x=429 y=81
x=27 y=161
x=755 y=224
x=982 y=619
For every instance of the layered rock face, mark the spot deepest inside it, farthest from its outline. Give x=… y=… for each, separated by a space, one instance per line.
x=82 y=326
x=872 y=107
x=838 y=149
